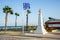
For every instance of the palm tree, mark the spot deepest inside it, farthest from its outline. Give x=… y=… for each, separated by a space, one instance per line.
x=28 y=11
x=7 y=10
x=16 y=19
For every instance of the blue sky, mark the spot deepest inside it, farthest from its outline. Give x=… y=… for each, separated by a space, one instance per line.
x=50 y=8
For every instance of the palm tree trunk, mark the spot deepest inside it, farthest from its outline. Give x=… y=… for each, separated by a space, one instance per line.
x=16 y=22
x=27 y=22
x=6 y=20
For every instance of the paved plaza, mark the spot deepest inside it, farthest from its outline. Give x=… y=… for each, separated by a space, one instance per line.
x=28 y=36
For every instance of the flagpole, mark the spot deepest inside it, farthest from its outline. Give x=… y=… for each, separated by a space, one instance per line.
x=22 y=21
x=22 y=26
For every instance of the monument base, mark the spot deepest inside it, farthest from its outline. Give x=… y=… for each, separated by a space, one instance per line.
x=40 y=31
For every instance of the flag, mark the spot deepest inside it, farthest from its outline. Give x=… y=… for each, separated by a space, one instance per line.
x=26 y=6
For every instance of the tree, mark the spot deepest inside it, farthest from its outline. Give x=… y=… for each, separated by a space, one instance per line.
x=28 y=11
x=51 y=18
x=7 y=10
x=16 y=19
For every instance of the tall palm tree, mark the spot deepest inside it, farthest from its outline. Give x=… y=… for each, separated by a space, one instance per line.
x=7 y=10
x=28 y=11
x=16 y=19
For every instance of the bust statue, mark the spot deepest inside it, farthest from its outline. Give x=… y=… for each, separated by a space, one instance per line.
x=40 y=11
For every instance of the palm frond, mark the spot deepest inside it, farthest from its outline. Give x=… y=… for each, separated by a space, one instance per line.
x=4 y=10
x=11 y=11
x=7 y=9
x=28 y=11
x=16 y=14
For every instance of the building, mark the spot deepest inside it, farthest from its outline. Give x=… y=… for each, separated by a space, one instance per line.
x=52 y=24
